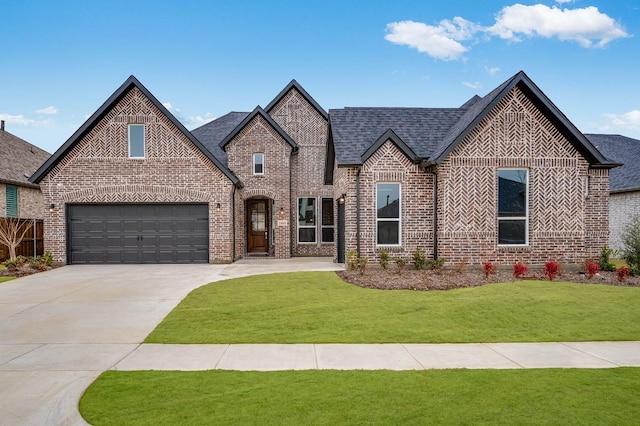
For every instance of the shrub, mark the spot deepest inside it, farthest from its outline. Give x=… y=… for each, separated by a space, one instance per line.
x=487 y=269
x=519 y=269
x=362 y=264
x=352 y=260
x=623 y=273
x=10 y=264
x=419 y=259
x=461 y=265
x=21 y=261
x=631 y=244
x=435 y=264
x=605 y=258
x=551 y=270
x=384 y=258
x=48 y=258
x=592 y=269
x=400 y=263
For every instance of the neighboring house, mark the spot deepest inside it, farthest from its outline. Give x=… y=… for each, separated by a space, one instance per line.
x=18 y=160
x=505 y=177
x=624 y=182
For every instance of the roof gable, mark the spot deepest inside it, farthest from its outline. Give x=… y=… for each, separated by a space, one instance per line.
x=295 y=85
x=19 y=159
x=479 y=110
x=258 y=111
x=111 y=102
x=390 y=135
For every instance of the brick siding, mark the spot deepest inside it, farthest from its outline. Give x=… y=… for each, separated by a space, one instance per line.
x=30 y=202
x=622 y=207
x=98 y=170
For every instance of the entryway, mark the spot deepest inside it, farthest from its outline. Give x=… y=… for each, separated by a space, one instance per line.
x=258 y=226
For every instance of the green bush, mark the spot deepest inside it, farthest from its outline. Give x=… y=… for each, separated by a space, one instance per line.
x=48 y=258
x=435 y=264
x=352 y=260
x=384 y=258
x=400 y=263
x=605 y=259
x=419 y=259
x=631 y=245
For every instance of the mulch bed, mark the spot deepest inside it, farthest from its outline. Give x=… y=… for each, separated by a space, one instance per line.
x=22 y=271
x=411 y=279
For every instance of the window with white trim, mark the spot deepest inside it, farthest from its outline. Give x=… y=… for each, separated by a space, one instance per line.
x=306 y=220
x=258 y=163
x=327 y=220
x=388 y=223
x=136 y=140
x=513 y=208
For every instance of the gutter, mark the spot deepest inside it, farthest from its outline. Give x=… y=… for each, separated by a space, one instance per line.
x=233 y=224
x=427 y=164
x=358 y=211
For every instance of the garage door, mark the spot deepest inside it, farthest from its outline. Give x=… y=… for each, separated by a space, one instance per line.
x=138 y=233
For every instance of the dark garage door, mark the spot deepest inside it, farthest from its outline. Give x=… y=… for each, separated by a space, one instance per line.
x=138 y=233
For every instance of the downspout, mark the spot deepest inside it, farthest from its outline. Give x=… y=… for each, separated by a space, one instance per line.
x=233 y=224
x=429 y=167
x=358 y=211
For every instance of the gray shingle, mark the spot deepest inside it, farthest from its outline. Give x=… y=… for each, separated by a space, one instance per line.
x=212 y=133
x=620 y=149
x=17 y=158
x=354 y=130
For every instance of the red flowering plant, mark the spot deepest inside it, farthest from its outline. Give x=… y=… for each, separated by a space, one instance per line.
x=592 y=269
x=487 y=269
x=519 y=269
x=551 y=270
x=623 y=273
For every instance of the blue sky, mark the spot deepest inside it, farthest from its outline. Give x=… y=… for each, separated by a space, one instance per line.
x=60 y=60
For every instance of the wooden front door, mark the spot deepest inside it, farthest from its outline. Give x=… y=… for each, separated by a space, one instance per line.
x=257 y=226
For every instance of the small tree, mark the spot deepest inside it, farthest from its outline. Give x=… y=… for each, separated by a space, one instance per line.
x=631 y=245
x=12 y=232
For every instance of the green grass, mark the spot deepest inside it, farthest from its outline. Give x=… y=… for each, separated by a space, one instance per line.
x=456 y=397
x=3 y=279
x=317 y=307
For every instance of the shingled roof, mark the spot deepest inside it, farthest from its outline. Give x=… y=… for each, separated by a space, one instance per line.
x=620 y=149
x=432 y=133
x=19 y=159
x=214 y=132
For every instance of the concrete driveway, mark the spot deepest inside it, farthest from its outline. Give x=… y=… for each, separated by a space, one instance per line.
x=60 y=329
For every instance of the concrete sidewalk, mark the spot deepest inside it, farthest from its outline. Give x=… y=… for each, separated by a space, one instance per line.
x=274 y=357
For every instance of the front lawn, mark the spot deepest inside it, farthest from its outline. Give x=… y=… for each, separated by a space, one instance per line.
x=456 y=397
x=3 y=279
x=318 y=307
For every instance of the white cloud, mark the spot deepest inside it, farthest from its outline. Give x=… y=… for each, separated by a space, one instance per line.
x=192 y=122
x=492 y=70
x=50 y=110
x=564 y=1
x=627 y=121
x=167 y=105
x=440 y=42
x=474 y=86
x=21 y=120
x=585 y=26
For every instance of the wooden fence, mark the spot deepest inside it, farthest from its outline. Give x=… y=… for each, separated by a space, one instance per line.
x=30 y=240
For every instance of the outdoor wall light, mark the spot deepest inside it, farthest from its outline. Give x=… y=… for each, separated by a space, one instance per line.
x=281 y=212
x=218 y=207
x=52 y=207
x=342 y=198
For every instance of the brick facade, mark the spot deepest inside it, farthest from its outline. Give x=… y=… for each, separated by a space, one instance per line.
x=98 y=170
x=622 y=207
x=296 y=116
x=258 y=136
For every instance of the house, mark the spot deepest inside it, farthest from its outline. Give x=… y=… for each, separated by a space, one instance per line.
x=624 y=182
x=18 y=160
x=19 y=198
x=503 y=177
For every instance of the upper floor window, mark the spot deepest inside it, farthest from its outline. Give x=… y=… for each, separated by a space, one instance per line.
x=12 y=201
x=306 y=220
x=258 y=163
x=513 y=209
x=388 y=214
x=136 y=140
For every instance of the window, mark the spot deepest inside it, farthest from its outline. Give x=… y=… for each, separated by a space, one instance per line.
x=306 y=220
x=512 y=207
x=258 y=164
x=136 y=140
x=12 y=201
x=327 y=220
x=388 y=213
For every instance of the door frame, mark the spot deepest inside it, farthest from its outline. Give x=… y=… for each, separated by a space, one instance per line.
x=267 y=225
